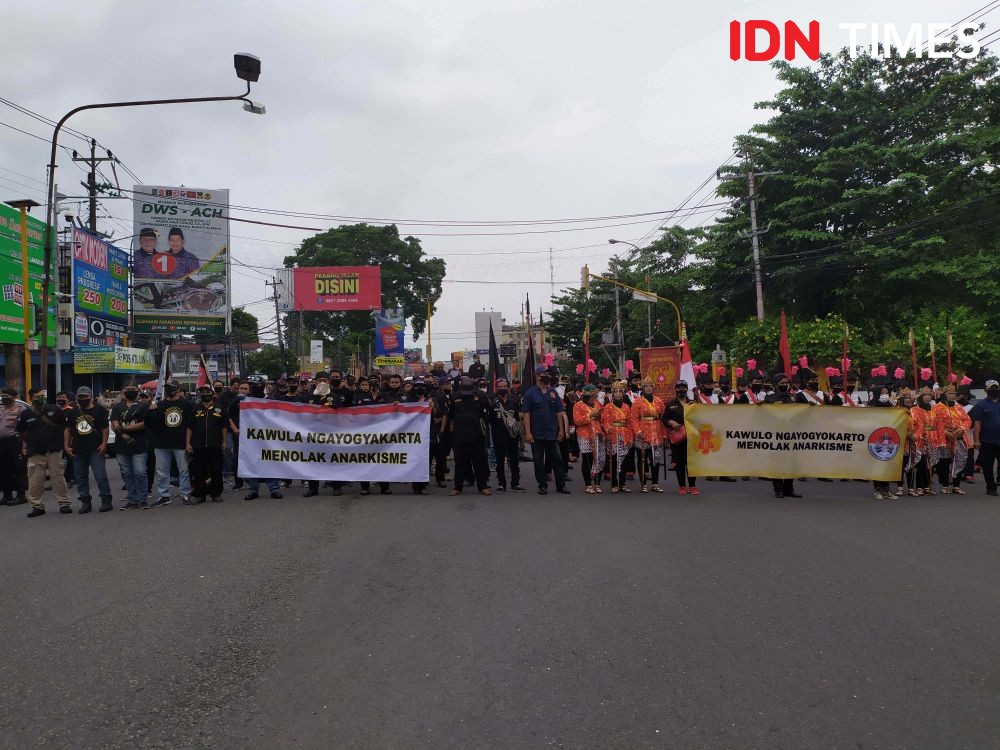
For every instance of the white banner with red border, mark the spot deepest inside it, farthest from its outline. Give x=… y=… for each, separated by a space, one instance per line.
x=379 y=443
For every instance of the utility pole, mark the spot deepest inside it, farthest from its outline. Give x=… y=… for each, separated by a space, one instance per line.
x=275 y=282
x=91 y=184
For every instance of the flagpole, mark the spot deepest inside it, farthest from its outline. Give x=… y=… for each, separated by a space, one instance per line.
x=934 y=361
x=948 y=344
x=913 y=353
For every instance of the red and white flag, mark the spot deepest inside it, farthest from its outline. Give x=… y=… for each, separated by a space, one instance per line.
x=687 y=369
x=203 y=378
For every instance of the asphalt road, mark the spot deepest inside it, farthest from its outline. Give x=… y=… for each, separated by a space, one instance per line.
x=731 y=620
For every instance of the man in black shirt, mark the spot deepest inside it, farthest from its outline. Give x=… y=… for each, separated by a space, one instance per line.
x=233 y=414
x=86 y=439
x=167 y=423
x=440 y=436
x=128 y=421
x=207 y=444
x=477 y=369
x=505 y=422
x=467 y=420
x=418 y=395
x=781 y=395
x=43 y=427
x=393 y=393
x=330 y=392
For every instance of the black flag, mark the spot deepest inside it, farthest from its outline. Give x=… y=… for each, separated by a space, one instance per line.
x=528 y=379
x=497 y=370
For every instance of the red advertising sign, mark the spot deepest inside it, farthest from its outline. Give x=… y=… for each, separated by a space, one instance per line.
x=338 y=288
x=662 y=364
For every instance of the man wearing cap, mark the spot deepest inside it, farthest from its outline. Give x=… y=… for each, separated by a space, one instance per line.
x=168 y=422
x=505 y=429
x=43 y=428
x=985 y=417
x=543 y=419
x=781 y=395
x=86 y=441
x=128 y=422
x=206 y=446
x=469 y=410
x=144 y=258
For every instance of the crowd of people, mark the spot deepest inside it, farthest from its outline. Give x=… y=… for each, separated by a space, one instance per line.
x=619 y=431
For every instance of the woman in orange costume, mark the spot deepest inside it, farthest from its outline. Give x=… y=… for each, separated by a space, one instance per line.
x=921 y=426
x=645 y=420
x=617 y=434
x=587 y=420
x=940 y=452
x=958 y=433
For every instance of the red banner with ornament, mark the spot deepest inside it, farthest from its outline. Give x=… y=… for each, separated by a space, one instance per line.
x=661 y=364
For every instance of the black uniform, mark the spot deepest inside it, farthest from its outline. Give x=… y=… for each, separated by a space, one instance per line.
x=413 y=398
x=440 y=438
x=477 y=370
x=674 y=412
x=467 y=414
x=337 y=398
x=208 y=426
x=782 y=487
x=506 y=445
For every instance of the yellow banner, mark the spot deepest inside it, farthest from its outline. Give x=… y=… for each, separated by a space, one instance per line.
x=787 y=441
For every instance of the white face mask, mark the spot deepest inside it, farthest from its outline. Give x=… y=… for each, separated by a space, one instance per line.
x=883 y=398
x=321 y=389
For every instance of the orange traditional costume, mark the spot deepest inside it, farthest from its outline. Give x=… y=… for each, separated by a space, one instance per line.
x=589 y=436
x=617 y=435
x=958 y=437
x=645 y=419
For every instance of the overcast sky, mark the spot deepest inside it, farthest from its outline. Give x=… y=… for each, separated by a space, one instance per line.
x=424 y=110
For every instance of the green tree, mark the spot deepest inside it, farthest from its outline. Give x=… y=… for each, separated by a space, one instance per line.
x=245 y=325
x=409 y=277
x=271 y=362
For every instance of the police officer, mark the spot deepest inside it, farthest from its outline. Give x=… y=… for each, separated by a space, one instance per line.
x=207 y=446
x=781 y=395
x=467 y=421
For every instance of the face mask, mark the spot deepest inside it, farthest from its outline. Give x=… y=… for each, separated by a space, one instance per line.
x=502 y=392
x=419 y=391
x=39 y=403
x=206 y=397
x=850 y=389
x=7 y=399
x=335 y=382
x=170 y=390
x=755 y=388
x=218 y=389
x=83 y=401
x=813 y=385
x=322 y=389
x=543 y=379
x=883 y=399
x=61 y=402
x=993 y=392
x=682 y=394
x=131 y=395
x=282 y=389
x=783 y=388
x=924 y=404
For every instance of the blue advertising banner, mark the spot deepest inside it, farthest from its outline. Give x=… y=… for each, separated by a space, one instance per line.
x=100 y=291
x=389 y=325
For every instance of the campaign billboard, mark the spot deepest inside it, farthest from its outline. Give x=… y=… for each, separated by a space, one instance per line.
x=334 y=288
x=181 y=260
x=389 y=327
x=100 y=291
x=11 y=277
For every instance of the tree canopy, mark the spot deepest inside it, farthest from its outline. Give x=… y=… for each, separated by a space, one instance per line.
x=882 y=213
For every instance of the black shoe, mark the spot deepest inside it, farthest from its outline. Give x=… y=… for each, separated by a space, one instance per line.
x=65 y=509
x=310 y=493
x=160 y=502
x=19 y=499
x=564 y=491
x=238 y=484
x=779 y=495
x=365 y=492
x=85 y=507
x=517 y=488
x=251 y=496
x=991 y=493
x=726 y=479
x=129 y=506
x=500 y=489
x=197 y=499
x=217 y=498
x=105 y=507
x=35 y=512
x=185 y=500
x=276 y=495
x=386 y=491
x=543 y=490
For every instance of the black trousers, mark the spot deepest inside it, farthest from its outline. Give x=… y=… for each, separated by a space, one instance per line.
x=507 y=454
x=314 y=485
x=989 y=454
x=547 y=451
x=471 y=455
x=943 y=469
x=785 y=486
x=679 y=457
x=206 y=472
x=13 y=470
x=440 y=447
x=646 y=469
x=586 y=466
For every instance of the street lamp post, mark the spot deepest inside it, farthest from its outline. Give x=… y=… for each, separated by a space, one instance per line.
x=247 y=69
x=650 y=298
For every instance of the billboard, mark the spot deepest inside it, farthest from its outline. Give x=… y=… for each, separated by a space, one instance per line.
x=335 y=288
x=108 y=359
x=100 y=291
x=389 y=329
x=180 y=261
x=11 y=278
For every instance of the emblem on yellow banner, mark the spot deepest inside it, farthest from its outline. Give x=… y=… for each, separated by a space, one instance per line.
x=709 y=440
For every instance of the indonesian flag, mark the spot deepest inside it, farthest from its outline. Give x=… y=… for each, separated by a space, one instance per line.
x=203 y=378
x=687 y=369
